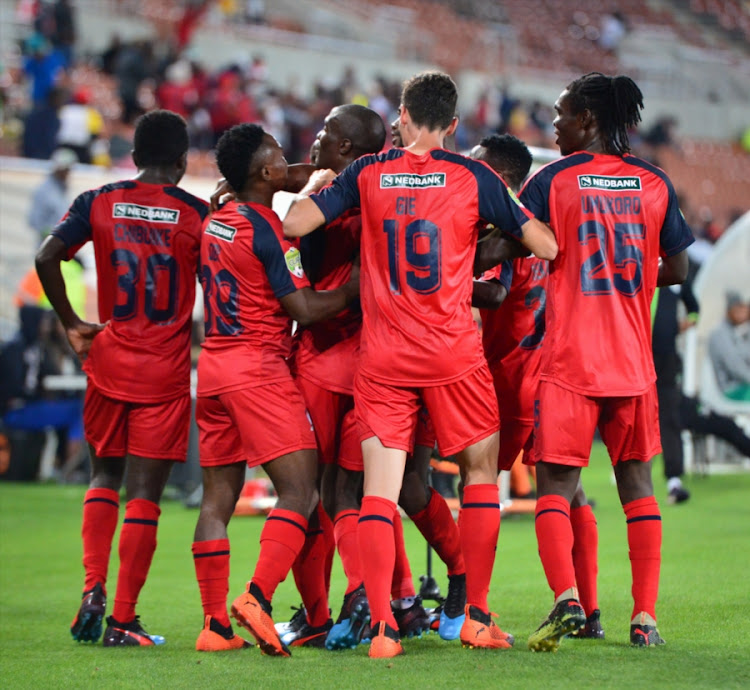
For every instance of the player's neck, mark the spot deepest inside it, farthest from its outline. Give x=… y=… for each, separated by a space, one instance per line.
x=158 y=176
x=425 y=140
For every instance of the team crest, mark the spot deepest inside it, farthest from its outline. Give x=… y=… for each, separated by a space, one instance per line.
x=294 y=262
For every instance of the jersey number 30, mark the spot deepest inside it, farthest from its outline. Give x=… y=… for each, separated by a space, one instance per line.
x=422 y=255
x=160 y=291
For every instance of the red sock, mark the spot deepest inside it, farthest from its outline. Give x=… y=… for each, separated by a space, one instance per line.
x=479 y=527
x=101 y=508
x=554 y=535
x=137 y=546
x=309 y=571
x=377 y=554
x=644 y=539
x=402 y=583
x=211 y=559
x=282 y=538
x=585 y=555
x=345 y=533
x=438 y=527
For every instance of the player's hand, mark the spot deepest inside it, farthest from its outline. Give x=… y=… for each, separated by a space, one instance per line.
x=318 y=180
x=81 y=336
x=221 y=194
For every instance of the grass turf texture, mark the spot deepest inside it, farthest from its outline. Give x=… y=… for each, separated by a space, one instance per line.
x=703 y=605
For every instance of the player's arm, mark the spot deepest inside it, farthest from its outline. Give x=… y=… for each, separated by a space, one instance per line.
x=80 y=333
x=488 y=294
x=673 y=270
x=539 y=239
x=495 y=249
x=308 y=306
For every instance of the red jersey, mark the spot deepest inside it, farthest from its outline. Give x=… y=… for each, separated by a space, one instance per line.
x=246 y=267
x=613 y=217
x=327 y=352
x=146 y=240
x=419 y=236
x=512 y=335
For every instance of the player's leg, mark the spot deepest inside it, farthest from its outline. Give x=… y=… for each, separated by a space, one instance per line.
x=294 y=478
x=586 y=563
x=105 y=428
x=432 y=516
x=222 y=485
x=386 y=417
x=630 y=430
x=564 y=428
x=466 y=420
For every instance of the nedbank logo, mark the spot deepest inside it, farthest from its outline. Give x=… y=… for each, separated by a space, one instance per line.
x=613 y=184
x=223 y=232
x=412 y=181
x=151 y=213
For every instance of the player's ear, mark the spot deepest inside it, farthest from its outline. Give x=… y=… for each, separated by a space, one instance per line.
x=134 y=156
x=345 y=147
x=585 y=118
x=403 y=115
x=452 y=127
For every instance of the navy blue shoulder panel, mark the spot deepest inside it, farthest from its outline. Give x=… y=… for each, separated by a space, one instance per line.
x=267 y=248
x=200 y=206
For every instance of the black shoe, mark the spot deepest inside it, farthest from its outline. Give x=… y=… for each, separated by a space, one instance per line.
x=309 y=636
x=129 y=634
x=87 y=625
x=295 y=622
x=592 y=629
x=452 y=611
x=645 y=636
x=678 y=495
x=352 y=623
x=565 y=617
x=412 y=621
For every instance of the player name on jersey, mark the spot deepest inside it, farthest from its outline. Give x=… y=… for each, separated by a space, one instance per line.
x=150 y=213
x=221 y=230
x=608 y=182
x=412 y=181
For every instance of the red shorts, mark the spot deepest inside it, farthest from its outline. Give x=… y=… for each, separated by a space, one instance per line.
x=463 y=412
x=516 y=435
x=256 y=424
x=116 y=428
x=335 y=428
x=564 y=425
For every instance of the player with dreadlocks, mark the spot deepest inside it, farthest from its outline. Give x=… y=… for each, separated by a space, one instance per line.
x=620 y=234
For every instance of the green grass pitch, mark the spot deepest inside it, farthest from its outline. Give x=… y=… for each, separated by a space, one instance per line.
x=703 y=611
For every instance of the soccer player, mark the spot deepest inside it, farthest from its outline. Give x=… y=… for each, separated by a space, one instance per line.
x=420 y=345
x=253 y=286
x=512 y=335
x=620 y=232
x=146 y=235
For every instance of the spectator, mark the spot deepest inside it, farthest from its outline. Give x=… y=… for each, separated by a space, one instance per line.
x=729 y=350
x=44 y=66
x=41 y=125
x=49 y=201
x=80 y=126
x=612 y=30
x=64 y=36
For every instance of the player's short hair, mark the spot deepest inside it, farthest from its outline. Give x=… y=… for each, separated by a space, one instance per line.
x=430 y=98
x=615 y=102
x=161 y=138
x=509 y=156
x=363 y=127
x=235 y=151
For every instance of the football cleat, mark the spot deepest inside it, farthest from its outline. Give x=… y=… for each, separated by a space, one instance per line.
x=566 y=617
x=452 y=614
x=289 y=629
x=480 y=632
x=218 y=638
x=385 y=642
x=87 y=625
x=412 y=621
x=644 y=632
x=351 y=625
x=129 y=634
x=253 y=612
x=592 y=629
x=309 y=636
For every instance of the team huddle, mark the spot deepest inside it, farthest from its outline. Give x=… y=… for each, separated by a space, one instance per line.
x=378 y=260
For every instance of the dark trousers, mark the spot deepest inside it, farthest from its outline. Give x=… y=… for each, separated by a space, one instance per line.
x=668 y=369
